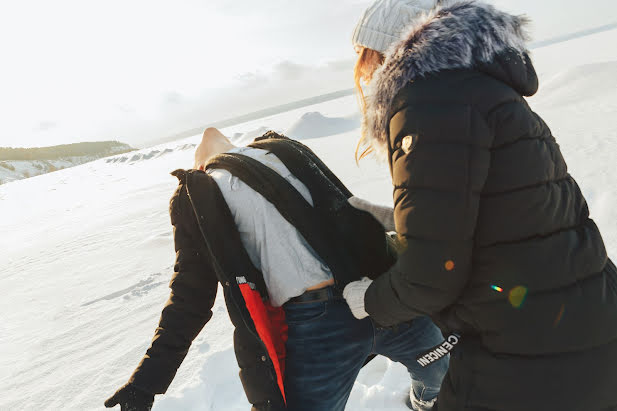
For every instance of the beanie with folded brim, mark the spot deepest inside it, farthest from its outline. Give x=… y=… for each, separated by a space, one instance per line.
x=383 y=22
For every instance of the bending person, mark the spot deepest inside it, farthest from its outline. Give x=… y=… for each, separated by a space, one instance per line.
x=297 y=344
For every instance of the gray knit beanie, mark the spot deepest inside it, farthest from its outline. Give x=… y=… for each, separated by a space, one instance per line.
x=383 y=22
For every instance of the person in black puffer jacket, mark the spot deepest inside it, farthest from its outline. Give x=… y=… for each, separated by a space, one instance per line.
x=500 y=247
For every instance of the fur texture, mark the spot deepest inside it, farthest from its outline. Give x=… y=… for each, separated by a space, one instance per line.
x=455 y=34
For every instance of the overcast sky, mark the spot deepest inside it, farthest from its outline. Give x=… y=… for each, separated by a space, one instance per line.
x=138 y=70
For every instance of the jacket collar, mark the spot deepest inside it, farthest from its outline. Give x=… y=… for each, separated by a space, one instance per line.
x=454 y=35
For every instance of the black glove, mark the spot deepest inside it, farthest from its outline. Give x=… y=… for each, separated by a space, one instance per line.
x=131 y=398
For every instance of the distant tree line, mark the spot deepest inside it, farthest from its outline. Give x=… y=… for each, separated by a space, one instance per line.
x=98 y=149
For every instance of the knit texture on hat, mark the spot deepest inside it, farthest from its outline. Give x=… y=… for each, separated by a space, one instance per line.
x=456 y=34
x=383 y=22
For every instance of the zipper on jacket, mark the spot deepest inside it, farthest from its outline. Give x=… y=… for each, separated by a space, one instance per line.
x=227 y=284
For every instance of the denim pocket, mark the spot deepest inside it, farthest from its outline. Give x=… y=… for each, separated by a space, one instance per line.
x=304 y=313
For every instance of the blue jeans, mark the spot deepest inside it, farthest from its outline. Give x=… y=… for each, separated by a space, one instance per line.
x=327 y=347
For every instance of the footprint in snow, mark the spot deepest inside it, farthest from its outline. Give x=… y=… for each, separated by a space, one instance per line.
x=136 y=290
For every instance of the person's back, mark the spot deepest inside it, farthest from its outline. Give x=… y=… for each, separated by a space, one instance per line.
x=540 y=302
x=274 y=245
x=532 y=237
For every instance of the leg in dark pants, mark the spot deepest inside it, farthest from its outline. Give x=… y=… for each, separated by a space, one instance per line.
x=403 y=344
x=325 y=352
x=327 y=347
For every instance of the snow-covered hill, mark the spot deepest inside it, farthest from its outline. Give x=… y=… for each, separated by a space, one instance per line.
x=86 y=253
x=314 y=124
x=148 y=154
x=20 y=169
x=13 y=170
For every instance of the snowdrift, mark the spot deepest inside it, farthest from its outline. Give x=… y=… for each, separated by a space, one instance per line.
x=315 y=124
x=247 y=137
x=148 y=154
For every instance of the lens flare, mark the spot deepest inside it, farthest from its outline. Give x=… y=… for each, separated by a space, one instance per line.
x=497 y=288
x=517 y=296
x=560 y=315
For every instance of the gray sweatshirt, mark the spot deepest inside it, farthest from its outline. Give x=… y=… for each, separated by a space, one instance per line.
x=288 y=263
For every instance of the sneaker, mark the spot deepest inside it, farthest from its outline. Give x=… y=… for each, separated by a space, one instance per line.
x=419 y=405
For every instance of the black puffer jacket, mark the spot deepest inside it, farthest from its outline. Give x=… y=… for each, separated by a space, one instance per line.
x=500 y=246
x=193 y=291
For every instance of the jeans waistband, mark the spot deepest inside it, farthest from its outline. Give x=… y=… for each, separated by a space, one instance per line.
x=316 y=296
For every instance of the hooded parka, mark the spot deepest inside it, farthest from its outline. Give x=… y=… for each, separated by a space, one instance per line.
x=499 y=244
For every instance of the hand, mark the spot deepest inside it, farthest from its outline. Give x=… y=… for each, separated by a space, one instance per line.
x=354 y=295
x=385 y=215
x=131 y=398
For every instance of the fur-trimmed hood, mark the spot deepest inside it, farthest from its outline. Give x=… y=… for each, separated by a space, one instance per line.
x=456 y=34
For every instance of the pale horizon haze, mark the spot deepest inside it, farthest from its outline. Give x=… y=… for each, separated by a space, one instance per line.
x=138 y=71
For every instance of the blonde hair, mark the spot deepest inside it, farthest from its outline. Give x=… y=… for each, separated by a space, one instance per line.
x=368 y=61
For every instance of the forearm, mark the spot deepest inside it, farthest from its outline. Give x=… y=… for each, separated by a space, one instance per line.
x=178 y=327
x=189 y=307
x=428 y=277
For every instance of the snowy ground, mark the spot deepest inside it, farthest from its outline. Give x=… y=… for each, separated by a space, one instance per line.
x=86 y=253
